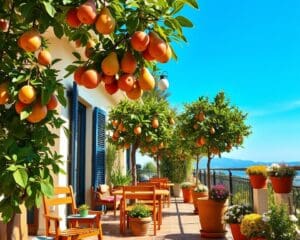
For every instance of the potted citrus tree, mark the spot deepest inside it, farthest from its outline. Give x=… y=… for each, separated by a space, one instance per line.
x=142 y=124
x=257 y=176
x=139 y=219
x=216 y=127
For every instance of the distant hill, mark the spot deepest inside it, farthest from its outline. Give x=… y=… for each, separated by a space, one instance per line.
x=235 y=163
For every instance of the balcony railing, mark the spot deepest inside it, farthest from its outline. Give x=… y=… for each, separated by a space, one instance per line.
x=239 y=186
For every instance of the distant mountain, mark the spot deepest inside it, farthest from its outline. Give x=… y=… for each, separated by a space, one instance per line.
x=235 y=163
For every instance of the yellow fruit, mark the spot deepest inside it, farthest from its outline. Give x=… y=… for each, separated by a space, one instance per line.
x=105 y=23
x=146 y=80
x=27 y=94
x=110 y=64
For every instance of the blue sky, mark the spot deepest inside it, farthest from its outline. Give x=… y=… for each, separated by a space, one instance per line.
x=251 y=51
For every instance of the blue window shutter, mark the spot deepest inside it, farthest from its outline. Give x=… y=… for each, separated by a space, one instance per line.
x=98 y=176
x=74 y=136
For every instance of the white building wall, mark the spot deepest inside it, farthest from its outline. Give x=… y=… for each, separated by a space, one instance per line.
x=62 y=49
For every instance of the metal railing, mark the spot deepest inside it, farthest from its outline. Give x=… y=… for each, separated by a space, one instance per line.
x=239 y=186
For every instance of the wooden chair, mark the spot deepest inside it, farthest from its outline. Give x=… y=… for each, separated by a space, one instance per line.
x=65 y=196
x=101 y=197
x=164 y=185
x=137 y=193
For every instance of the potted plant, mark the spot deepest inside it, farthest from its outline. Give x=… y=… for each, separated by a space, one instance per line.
x=187 y=190
x=83 y=210
x=281 y=225
x=139 y=219
x=214 y=127
x=118 y=179
x=258 y=176
x=233 y=216
x=281 y=177
x=253 y=227
x=199 y=191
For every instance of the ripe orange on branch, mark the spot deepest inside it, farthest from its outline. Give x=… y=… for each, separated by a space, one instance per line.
x=105 y=23
x=139 y=41
x=27 y=94
x=44 y=57
x=128 y=63
x=39 y=112
x=71 y=18
x=110 y=64
x=126 y=82
x=87 y=12
x=30 y=41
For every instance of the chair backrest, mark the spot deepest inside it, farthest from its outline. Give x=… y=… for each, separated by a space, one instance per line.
x=157 y=179
x=62 y=196
x=139 y=193
x=156 y=184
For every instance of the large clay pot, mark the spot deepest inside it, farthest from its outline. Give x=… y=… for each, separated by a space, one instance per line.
x=139 y=226
x=197 y=195
x=211 y=215
x=236 y=231
x=258 y=181
x=282 y=184
x=176 y=190
x=187 y=194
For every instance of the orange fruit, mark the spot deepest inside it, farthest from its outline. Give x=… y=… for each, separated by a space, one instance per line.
x=155 y=123
x=105 y=23
x=157 y=46
x=87 y=13
x=77 y=75
x=146 y=80
x=27 y=94
x=19 y=106
x=90 y=78
x=44 y=57
x=72 y=19
x=107 y=79
x=128 y=63
x=4 y=24
x=110 y=64
x=4 y=95
x=147 y=56
x=112 y=88
x=126 y=82
x=52 y=103
x=135 y=93
x=137 y=130
x=30 y=41
x=39 y=112
x=139 y=41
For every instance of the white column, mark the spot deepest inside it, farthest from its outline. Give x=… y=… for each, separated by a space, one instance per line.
x=286 y=199
x=260 y=199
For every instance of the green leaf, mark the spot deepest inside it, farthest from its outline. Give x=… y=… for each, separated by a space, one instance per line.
x=184 y=22
x=58 y=30
x=46 y=188
x=49 y=8
x=21 y=177
x=77 y=55
x=61 y=96
x=192 y=3
x=65 y=2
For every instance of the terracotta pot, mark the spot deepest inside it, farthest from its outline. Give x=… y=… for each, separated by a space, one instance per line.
x=187 y=195
x=236 y=231
x=211 y=215
x=139 y=226
x=197 y=195
x=258 y=181
x=282 y=184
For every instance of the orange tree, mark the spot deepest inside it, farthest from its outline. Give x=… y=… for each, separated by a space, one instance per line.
x=122 y=40
x=214 y=127
x=143 y=124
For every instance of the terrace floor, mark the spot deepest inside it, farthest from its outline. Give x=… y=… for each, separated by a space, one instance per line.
x=179 y=223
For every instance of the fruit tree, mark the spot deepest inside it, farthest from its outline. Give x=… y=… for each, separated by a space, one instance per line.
x=143 y=124
x=122 y=41
x=214 y=127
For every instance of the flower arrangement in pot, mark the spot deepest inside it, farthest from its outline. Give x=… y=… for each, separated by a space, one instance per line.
x=258 y=176
x=187 y=191
x=199 y=191
x=83 y=210
x=234 y=216
x=281 y=176
x=214 y=127
x=139 y=219
x=254 y=227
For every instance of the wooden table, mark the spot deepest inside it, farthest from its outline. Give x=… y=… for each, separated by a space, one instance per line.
x=75 y=220
x=159 y=192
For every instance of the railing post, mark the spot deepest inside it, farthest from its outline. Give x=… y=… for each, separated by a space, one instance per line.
x=230 y=186
x=204 y=174
x=214 y=177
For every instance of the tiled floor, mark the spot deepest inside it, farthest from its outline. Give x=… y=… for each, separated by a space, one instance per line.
x=179 y=223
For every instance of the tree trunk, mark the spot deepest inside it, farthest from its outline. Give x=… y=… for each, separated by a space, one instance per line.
x=197 y=171
x=10 y=227
x=133 y=163
x=208 y=173
x=157 y=168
